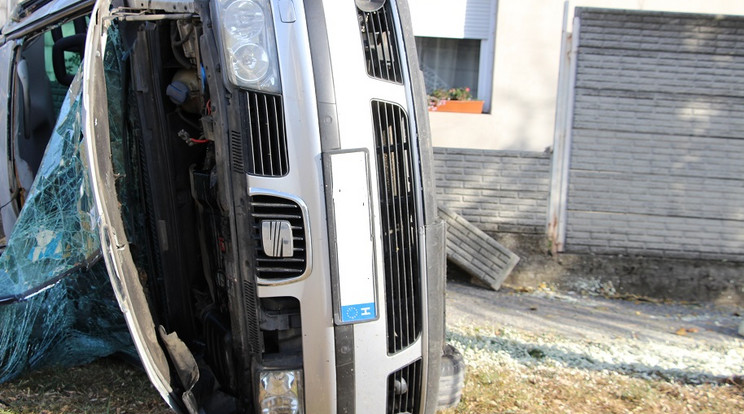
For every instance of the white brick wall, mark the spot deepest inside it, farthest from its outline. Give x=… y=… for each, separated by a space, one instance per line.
x=657 y=158
x=498 y=191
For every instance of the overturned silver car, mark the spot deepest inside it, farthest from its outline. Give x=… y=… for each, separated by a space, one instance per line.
x=261 y=192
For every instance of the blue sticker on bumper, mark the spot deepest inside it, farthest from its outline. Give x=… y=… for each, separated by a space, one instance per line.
x=357 y=313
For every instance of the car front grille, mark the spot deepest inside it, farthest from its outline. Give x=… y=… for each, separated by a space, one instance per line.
x=263 y=130
x=380 y=44
x=404 y=390
x=398 y=212
x=272 y=208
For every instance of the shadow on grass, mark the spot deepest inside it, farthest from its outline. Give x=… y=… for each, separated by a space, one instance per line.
x=535 y=354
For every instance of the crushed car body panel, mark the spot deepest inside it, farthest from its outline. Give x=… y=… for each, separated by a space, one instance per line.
x=121 y=269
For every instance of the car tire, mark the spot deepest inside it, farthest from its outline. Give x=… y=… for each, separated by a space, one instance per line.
x=452 y=378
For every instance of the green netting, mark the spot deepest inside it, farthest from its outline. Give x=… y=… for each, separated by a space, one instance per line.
x=55 y=309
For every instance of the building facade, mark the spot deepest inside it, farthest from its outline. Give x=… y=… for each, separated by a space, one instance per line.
x=634 y=109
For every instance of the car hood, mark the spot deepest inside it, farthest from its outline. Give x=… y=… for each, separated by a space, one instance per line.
x=102 y=117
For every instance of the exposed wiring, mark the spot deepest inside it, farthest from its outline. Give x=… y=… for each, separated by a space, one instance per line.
x=13 y=196
x=186 y=137
x=185 y=37
x=176 y=48
x=185 y=119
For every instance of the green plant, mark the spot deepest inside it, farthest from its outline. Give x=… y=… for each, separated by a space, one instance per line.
x=452 y=94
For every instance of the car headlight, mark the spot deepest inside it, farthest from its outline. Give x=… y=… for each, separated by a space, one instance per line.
x=280 y=392
x=248 y=44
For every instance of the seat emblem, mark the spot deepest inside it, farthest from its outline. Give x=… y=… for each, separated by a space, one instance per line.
x=276 y=237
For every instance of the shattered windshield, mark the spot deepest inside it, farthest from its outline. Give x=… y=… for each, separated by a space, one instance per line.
x=57 y=306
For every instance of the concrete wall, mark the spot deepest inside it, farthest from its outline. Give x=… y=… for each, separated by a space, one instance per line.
x=497 y=191
x=527 y=48
x=658 y=136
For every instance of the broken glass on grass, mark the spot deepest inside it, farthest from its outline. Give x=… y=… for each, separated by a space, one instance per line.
x=57 y=306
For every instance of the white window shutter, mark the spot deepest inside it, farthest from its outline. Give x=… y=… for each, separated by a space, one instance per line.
x=456 y=19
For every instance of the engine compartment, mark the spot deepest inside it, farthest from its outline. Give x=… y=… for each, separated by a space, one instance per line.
x=171 y=166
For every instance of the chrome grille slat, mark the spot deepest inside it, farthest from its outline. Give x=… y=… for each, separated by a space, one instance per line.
x=272 y=205
x=282 y=260
x=286 y=271
x=277 y=216
x=399 y=225
x=280 y=161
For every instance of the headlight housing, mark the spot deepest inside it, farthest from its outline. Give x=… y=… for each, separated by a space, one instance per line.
x=281 y=392
x=248 y=44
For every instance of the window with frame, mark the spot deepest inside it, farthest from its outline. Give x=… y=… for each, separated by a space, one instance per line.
x=456 y=44
x=44 y=67
x=449 y=63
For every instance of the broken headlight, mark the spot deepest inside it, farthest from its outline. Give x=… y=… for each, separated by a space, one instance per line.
x=248 y=44
x=281 y=392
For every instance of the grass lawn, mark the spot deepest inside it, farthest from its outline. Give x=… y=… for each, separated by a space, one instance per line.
x=105 y=386
x=111 y=386
x=554 y=390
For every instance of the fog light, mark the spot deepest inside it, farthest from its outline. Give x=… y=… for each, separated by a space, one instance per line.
x=281 y=392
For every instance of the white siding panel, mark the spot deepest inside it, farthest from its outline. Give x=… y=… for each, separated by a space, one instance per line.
x=457 y=19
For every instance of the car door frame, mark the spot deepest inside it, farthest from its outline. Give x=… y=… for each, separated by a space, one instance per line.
x=8 y=209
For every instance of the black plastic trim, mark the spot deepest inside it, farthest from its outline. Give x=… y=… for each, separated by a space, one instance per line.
x=435 y=229
x=345 y=372
x=238 y=263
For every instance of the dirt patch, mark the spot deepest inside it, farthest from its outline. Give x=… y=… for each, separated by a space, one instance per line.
x=575 y=316
x=715 y=281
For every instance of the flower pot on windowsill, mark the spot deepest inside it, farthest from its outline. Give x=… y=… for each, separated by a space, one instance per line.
x=467 y=107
